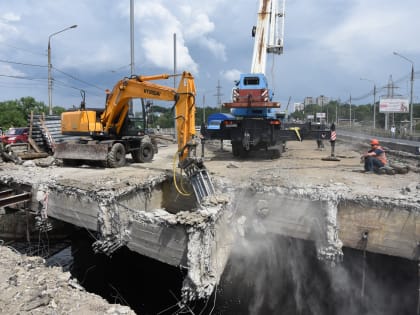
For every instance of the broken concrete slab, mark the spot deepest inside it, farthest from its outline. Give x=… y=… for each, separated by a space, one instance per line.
x=298 y=196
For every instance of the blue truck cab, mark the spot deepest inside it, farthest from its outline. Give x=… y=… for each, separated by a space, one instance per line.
x=252 y=91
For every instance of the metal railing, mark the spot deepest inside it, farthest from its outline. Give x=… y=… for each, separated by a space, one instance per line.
x=378 y=132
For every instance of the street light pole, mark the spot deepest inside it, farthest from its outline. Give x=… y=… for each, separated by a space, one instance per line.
x=374 y=101
x=350 y=110
x=50 y=66
x=411 y=98
x=411 y=89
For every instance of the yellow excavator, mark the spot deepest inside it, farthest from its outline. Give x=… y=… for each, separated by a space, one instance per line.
x=108 y=135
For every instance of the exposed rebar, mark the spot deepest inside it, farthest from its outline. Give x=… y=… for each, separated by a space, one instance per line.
x=364 y=242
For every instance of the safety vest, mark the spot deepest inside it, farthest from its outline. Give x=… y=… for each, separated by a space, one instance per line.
x=382 y=157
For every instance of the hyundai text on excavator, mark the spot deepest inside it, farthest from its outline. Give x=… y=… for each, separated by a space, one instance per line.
x=258 y=123
x=108 y=134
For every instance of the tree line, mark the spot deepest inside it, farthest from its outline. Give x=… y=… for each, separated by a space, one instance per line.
x=15 y=113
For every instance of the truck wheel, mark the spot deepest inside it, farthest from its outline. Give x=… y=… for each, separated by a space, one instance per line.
x=116 y=157
x=239 y=150
x=236 y=148
x=144 y=154
x=243 y=152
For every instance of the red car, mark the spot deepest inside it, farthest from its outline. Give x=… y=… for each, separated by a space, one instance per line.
x=15 y=135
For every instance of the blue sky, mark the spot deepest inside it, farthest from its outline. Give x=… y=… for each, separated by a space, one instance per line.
x=329 y=46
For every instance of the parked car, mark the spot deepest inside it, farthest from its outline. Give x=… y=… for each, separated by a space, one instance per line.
x=15 y=135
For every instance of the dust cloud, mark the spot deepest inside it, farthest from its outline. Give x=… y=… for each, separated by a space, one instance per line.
x=269 y=273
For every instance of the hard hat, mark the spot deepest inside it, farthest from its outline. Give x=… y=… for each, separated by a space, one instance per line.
x=374 y=141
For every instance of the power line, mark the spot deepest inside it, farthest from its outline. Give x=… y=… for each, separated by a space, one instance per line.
x=21 y=86
x=64 y=84
x=19 y=77
x=18 y=48
x=22 y=64
x=45 y=66
x=74 y=78
x=358 y=98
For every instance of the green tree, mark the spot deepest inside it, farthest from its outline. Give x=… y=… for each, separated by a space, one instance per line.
x=29 y=104
x=165 y=120
x=58 y=110
x=11 y=115
x=15 y=113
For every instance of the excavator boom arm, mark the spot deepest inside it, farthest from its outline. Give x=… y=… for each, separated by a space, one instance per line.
x=140 y=87
x=111 y=123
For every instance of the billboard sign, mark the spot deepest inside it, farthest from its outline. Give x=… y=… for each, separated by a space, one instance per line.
x=393 y=105
x=320 y=115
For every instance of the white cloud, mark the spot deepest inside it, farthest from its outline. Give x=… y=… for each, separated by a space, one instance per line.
x=372 y=28
x=196 y=24
x=231 y=75
x=157 y=28
x=10 y=17
x=215 y=47
x=7 y=29
x=8 y=70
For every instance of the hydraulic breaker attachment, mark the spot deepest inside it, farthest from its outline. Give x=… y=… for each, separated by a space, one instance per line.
x=198 y=176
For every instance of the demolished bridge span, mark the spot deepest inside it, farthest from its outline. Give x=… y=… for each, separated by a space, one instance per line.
x=333 y=216
x=149 y=218
x=145 y=214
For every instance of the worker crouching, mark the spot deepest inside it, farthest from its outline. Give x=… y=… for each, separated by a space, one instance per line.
x=375 y=158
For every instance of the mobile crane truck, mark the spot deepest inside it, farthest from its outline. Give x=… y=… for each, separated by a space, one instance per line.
x=258 y=122
x=108 y=134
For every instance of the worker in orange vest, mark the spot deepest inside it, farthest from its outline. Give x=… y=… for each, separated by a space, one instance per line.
x=375 y=158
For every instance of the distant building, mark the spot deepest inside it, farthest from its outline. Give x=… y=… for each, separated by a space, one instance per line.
x=298 y=107
x=322 y=100
x=309 y=100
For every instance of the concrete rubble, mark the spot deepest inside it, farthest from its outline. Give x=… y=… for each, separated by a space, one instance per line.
x=27 y=286
x=296 y=196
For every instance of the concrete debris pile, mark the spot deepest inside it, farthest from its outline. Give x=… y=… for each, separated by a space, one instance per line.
x=29 y=287
x=7 y=154
x=394 y=168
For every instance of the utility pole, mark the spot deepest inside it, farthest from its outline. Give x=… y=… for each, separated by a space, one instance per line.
x=132 y=36
x=411 y=99
x=219 y=95
x=336 y=113
x=130 y=106
x=204 y=111
x=374 y=101
x=374 y=106
x=411 y=89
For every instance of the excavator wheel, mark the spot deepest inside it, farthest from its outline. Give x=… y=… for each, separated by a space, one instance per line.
x=116 y=156
x=70 y=163
x=144 y=154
